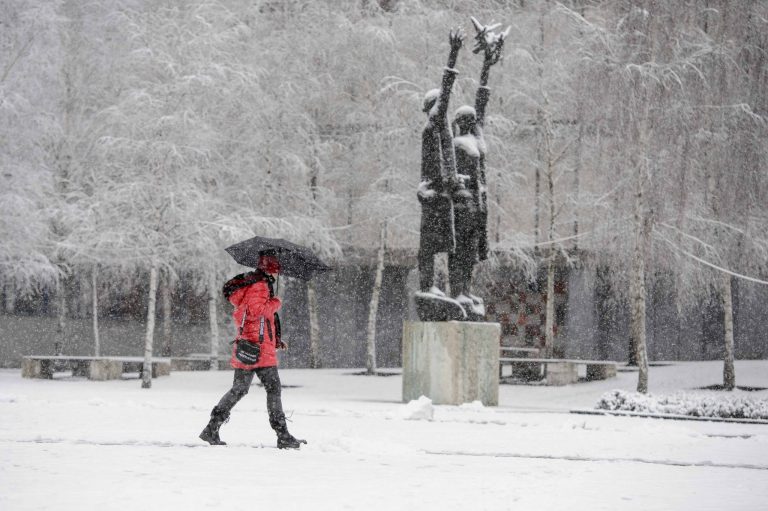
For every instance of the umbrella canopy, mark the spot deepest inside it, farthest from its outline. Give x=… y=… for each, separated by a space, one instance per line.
x=295 y=260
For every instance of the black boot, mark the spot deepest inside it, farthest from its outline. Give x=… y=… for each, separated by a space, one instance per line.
x=287 y=441
x=211 y=432
x=284 y=439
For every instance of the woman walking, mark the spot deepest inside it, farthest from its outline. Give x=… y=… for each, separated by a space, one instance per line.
x=255 y=315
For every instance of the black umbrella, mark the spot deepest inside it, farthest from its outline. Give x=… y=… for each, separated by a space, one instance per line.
x=295 y=261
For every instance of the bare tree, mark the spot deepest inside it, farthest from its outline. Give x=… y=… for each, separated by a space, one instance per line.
x=373 y=306
x=28 y=71
x=146 y=371
x=653 y=82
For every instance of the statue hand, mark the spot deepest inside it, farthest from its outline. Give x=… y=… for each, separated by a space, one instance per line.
x=493 y=52
x=482 y=34
x=456 y=38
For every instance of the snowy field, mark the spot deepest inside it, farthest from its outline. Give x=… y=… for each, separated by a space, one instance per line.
x=73 y=444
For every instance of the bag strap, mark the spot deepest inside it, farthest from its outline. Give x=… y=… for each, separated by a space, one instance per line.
x=261 y=326
x=242 y=322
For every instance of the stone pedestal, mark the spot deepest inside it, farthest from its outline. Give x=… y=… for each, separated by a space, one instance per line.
x=562 y=373
x=161 y=368
x=105 y=369
x=36 y=368
x=451 y=362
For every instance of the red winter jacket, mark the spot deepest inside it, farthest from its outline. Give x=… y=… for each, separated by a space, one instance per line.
x=254 y=302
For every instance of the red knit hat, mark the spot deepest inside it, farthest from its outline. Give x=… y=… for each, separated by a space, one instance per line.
x=269 y=264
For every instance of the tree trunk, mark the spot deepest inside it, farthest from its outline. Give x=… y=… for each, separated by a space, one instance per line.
x=637 y=322
x=537 y=205
x=146 y=373
x=497 y=236
x=61 y=316
x=9 y=299
x=541 y=128
x=682 y=202
x=549 y=321
x=374 y=304
x=637 y=287
x=604 y=307
x=314 y=327
x=166 y=306
x=95 y=311
x=314 y=322
x=579 y=156
x=213 y=320
x=729 y=373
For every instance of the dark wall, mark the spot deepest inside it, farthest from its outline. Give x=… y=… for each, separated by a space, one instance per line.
x=597 y=321
x=28 y=335
x=343 y=297
x=343 y=300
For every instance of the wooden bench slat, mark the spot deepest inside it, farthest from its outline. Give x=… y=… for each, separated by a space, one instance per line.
x=555 y=360
x=94 y=368
x=559 y=371
x=90 y=357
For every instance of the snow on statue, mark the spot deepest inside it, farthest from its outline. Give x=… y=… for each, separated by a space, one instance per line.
x=452 y=191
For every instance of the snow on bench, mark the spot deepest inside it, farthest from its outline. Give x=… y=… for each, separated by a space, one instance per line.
x=559 y=371
x=197 y=363
x=94 y=368
x=524 y=372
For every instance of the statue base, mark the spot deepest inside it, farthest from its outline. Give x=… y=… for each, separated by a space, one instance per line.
x=451 y=362
x=473 y=305
x=438 y=307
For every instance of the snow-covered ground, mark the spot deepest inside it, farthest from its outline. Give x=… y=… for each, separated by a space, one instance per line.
x=75 y=444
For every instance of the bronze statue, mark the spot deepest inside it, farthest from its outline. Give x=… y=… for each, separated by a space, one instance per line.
x=438 y=180
x=452 y=190
x=470 y=198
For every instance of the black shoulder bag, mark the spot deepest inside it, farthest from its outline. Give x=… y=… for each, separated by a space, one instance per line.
x=245 y=351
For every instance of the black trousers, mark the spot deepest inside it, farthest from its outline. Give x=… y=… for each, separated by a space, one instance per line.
x=242 y=384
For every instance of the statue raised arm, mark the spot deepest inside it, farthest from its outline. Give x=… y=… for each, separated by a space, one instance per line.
x=438 y=178
x=470 y=200
x=437 y=158
x=492 y=47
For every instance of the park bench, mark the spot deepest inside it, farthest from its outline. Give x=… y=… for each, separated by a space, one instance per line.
x=94 y=368
x=559 y=371
x=505 y=352
x=197 y=363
